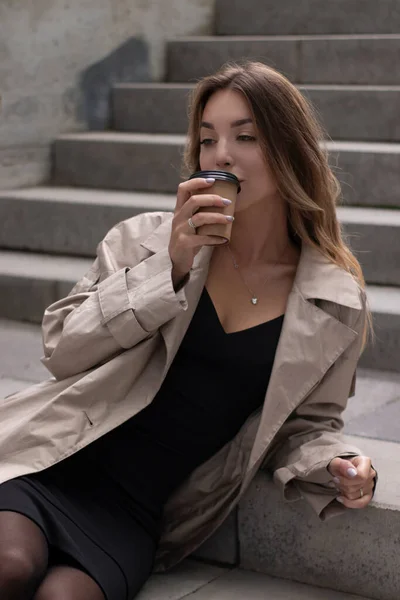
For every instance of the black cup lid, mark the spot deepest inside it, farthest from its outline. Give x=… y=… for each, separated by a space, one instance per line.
x=220 y=175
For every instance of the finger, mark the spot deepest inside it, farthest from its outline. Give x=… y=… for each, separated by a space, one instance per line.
x=342 y=468
x=359 y=503
x=187 y=188
x=215 y=218
x=356 y=494
x=200 y=201
x=353 y=489
x=363 y=465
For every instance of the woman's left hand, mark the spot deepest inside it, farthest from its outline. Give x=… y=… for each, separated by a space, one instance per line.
x=354 y=478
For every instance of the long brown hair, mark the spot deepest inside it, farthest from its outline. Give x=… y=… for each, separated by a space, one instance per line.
x=290 y=135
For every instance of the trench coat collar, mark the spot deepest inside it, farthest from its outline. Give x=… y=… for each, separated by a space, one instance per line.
x=316 y=276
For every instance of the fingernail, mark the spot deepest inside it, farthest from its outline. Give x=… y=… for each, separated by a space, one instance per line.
x=229 y=218
x=340 y=499
x=351 y=472
x=210 y=179
x=226 y=201
x=336 y=480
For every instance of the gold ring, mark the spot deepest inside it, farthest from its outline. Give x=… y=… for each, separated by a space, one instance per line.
x=361 y=493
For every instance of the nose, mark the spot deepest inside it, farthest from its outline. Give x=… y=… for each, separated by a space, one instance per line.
x=223 y=157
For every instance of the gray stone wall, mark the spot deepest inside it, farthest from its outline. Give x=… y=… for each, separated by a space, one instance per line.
x=46 y=45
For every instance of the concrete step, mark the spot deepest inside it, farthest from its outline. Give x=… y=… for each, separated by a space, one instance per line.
x=355 y=553
x=342 y=59
x=231 y=584
x=369 y=172
x=235 y=17
x=265 y=534
x=73 y=220
x=348 y=112
x=30 y=282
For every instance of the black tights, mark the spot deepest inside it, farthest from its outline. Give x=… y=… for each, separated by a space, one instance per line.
x=25 y=570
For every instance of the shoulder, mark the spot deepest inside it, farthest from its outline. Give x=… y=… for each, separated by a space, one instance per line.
x=124 y=244
x=137 y=228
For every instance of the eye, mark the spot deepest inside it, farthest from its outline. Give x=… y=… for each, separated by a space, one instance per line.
x=206 y=142
x=246 y=138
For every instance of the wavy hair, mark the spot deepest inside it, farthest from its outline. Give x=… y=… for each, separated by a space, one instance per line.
x=291 y=138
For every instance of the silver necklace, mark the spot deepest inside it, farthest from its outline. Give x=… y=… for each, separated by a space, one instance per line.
x=254 y=299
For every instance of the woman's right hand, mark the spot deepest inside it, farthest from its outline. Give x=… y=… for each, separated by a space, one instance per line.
x=185 y=243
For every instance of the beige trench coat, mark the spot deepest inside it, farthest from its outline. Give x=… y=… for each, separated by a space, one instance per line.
x=109 y=345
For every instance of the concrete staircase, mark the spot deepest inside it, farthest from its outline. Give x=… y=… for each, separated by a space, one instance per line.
x=344 y=56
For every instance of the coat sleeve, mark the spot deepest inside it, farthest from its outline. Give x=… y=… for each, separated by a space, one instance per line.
x=123 y=299
x=313 y=430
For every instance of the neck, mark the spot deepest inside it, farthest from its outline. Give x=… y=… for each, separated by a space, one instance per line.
x=260 y=235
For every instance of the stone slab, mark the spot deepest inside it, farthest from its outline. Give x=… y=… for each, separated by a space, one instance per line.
x=374 y=390
x=68 y=220
x=383 y=352
x=354 y=553
x=369 y=172
x=244 y=585
x=20 y=351
x=381 y=424
x=339 y=59
x=118 y=161
x=374 y=411
x=29 y=283
x=180 y=582
x=348 y=112
x=235 y=17
x=374 y=237
x=9 y=386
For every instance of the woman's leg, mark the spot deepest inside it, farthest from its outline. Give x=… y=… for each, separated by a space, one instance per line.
x=23 y=556
x=64 y=582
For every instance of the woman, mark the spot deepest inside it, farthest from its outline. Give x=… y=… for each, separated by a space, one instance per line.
x=172 y=386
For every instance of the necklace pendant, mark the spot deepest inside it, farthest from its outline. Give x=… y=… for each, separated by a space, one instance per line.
x=254 y=300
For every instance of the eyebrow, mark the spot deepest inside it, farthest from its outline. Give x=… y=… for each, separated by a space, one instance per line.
x=234 y=124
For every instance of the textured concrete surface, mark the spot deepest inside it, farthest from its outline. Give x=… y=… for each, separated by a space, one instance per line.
x=69 y=220
x=356 y=552
x=351 y=59
x=360 y=113
x=374 y=237
x=384 y=351
x=46 y=46
x=31 y=282
x=119 y=161
x=374 y=411
x=235 y=17
x=243 y=585
x=183 y=581
x=369 y=172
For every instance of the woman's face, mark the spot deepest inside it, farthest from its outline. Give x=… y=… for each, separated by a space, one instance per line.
x=229 y=142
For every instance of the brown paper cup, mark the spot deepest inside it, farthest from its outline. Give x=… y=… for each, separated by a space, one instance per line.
x=225 y=189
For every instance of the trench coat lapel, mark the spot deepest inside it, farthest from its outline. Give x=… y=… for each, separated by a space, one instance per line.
x=310 y=342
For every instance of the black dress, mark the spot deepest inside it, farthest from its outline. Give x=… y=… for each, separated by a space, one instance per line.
x=101 y=508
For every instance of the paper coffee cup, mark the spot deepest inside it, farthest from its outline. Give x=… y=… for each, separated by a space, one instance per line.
x=226 y=185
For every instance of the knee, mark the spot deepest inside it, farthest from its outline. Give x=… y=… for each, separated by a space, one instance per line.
x=18 y=567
